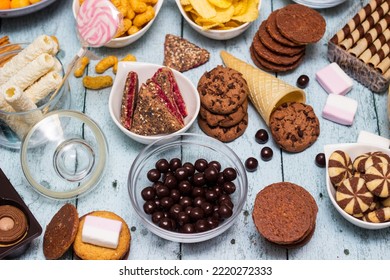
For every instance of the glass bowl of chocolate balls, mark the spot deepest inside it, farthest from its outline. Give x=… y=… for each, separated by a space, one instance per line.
x=187 y=188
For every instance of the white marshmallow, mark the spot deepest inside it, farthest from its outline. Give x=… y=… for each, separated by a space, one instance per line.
x=340 y=109
x=101 y=231
x=334 y=80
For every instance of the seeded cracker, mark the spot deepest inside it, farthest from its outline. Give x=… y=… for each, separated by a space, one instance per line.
x=183 y=55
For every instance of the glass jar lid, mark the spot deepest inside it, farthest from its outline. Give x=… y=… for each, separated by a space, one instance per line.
x=64 y=155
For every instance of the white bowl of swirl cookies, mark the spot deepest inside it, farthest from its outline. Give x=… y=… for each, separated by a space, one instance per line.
x=358 y=183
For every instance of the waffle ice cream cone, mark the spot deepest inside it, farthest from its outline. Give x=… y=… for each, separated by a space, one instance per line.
x=265 y=91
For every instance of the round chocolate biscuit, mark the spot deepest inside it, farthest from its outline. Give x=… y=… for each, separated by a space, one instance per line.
x=281 y=215
x=224 y=120
x=60 y=232
x=381 y=215
x=224 y=134
x=271 y=56
x=294 y=126
x=222 y=90
x=274 y=45
x=300 y=24
x=275 y=33
x=339 y=167
x=353 y=196
x=364 y=161
x=378 y=179
x=269 y=66
x=86 y=251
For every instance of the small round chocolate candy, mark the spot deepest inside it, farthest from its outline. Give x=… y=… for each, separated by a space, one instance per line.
x=212 y=222
x=198 y=179
x=150 y=207
x=223 y=197
x=185 y=201
x=182 y=218
x=266 y=153
x=229 y=187
x=261 y=136
x=188 y=228
x=251 y=164
x=175 y=210
x=216 y=164
x=181 y=174
x=148 y=193
x=201 y=225
x=303 y=81
x=211 y=195
x=201 y=164
x=174 y=164
x=196 y=213
x=217 y=189
x=228 y=203
x=197 y=191
x=162 y=191
x=166 y=202
x=229 y=174
x=211 y=174
x=157 y=216
x=320 y=160
x=153 y=175
x=207 y=208
x=220 y=179
x=225 y=211
x=166 y=223
x=157 y=202
x=188 y=209
x=170 y=181
x=190 y=168
x=184 y=187
x=197 y=202
x=162 y=165
x=175 y=195
x=156 y=184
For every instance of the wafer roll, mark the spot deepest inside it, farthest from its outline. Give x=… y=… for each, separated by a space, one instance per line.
x=265 y=91
x=362 y=44
x=375 y=47
x=40 y=89
x=370 y=34
x=19 y=127
x=380 y=55
x=356 y=20
x=4 y=40
x=21 y=103
x=386 y=75
x=42 y=44
x=378 y=216
x=384 y=66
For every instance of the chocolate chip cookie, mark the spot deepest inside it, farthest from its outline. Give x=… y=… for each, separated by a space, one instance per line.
x=294 y=126
x=222 y=90
x=224 y=120
x=222 y=133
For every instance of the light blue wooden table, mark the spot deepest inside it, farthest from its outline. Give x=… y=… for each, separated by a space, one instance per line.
x=334 y=238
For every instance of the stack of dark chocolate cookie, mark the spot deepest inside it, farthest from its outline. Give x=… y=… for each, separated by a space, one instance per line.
x=279 y=44
x=223 y=95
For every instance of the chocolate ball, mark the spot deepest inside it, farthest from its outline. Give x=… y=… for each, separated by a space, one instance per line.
x=150 y=207
x=303 y=81
x=201 y=164
x=198 y=179
x=229 y=187
x=197 y=202
x=216 y=164
x=220 y=179
x=320 y=160
x=266 y=153
x=182 y=218
x=228 y=203
x=181 y=174
x=162 y=191
x=225 y=211
x=174 y=164
x=166 y=223
x=211 y=195
x=185 y=201
x=188 y=209
x=162 y=165
x=190 y=168
x=170 y=181
x=184 y=187
x=261 y=136
x=211 y=174
x=217 y=189
x=153 y=175
x=175 y=210
x=197 y=191
x=148 y=193
x=175 y=195
x=196 y=213
x=229 y=174
x=207 y=208
x=157 y=216
x=188 y=228
x=251 y=164
x=166 y=202
x=201 y=225
x=212 y=222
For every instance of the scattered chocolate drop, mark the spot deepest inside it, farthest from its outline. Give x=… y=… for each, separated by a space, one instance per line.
x=303 y=81
x=266 y=153
x=261 y=136
x=320 y=160
x=251 y=164
x=174 y=164
x=162 y=165
x=201 y=164
x=148 y=193
x=229 y=174
x=153 y=175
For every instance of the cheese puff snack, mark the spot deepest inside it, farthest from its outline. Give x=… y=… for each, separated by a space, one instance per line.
x=142 y=19
x=98 y=82
x=128 y=57
x=105 y=63
x=78 y=72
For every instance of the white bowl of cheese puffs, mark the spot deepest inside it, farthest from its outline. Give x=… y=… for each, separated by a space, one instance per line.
x=138 y=17
x=219 y=20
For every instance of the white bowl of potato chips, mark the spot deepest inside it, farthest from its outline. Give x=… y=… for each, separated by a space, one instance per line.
x=130 y=32
x=219 y=19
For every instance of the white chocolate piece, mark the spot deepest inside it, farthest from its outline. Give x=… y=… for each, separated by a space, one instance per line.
x=21 y=103
x=340 y=109
x=42 y=44
x=101 y=231
x=45 y=85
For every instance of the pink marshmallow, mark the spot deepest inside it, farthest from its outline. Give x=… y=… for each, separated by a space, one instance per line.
x=101 y=231
x=334 y=80
x=340 y=109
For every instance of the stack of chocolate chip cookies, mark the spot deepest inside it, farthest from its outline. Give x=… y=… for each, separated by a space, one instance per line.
x=279 y=44
x=223 y=95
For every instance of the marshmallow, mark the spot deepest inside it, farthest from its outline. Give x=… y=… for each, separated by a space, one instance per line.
x=369 y=138
x=334 y=80
x=101 y=231
x=340 y=109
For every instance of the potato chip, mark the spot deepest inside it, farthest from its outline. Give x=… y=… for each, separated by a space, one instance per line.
x=187 y=8
x=240 y=6
x=251 y=12
x=232 y=24
x=185 y=2
x=223 y=4
x=204 y=8
x=223 y=15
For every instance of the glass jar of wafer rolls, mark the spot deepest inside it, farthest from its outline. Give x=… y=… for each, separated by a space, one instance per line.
x=29 y=77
